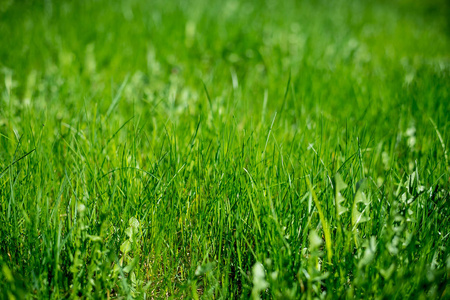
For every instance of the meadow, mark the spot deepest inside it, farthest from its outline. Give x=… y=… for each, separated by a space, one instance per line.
x=224 y=149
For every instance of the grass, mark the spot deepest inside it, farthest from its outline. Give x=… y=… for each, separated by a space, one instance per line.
x=224 y=149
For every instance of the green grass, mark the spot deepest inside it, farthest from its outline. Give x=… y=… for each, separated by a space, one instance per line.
x=224 y=149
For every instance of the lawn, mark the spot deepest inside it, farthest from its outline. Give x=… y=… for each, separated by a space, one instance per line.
x=224 y=149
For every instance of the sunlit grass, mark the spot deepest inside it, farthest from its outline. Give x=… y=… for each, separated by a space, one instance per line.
x=224 y=149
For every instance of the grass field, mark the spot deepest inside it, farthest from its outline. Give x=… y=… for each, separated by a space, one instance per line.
x=224 y=149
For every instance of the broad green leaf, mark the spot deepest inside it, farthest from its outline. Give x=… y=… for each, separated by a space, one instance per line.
x=131 y=265
x=259 y=281
x=387 y=273
x=129 y=232
x=94 y=238
x=314 y=240
x=125 y=247
x=369 y=253
x=360 y=216
x=127 y=268
x=134 y=223
x=7 y=273
x=339 y=199
x=204 y=268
